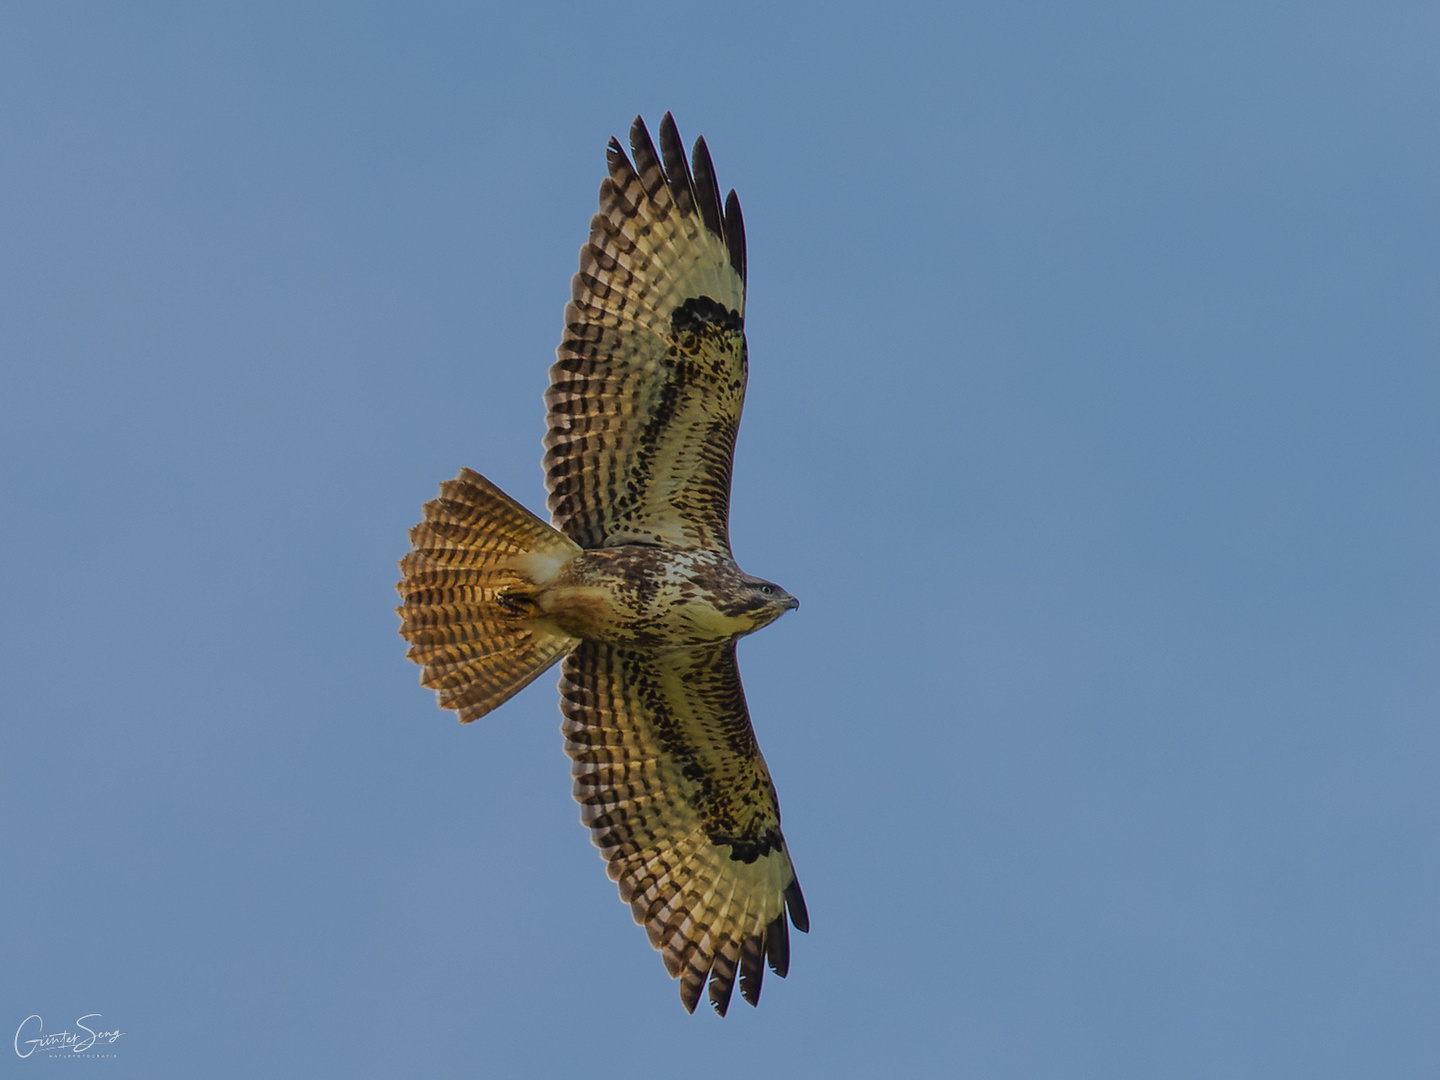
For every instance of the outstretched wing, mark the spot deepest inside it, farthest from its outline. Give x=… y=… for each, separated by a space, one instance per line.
x=645 y=394
x=679 y=801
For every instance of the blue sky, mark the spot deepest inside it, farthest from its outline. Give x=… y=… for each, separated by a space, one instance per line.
x=1092 y=415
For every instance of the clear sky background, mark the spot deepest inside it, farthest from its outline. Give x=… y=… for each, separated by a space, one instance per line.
x=1094 y=415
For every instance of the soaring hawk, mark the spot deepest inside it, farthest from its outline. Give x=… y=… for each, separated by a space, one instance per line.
x=635 y=587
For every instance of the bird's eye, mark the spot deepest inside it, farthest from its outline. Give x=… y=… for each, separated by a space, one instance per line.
x=768 y=590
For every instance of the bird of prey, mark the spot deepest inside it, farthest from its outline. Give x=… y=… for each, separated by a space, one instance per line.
x=635 y=586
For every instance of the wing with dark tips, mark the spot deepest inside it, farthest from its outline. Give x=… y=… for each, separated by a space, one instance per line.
x=679 y=801
x=649 y=379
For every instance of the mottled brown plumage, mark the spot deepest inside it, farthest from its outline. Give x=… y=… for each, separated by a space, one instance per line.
x=635 y=586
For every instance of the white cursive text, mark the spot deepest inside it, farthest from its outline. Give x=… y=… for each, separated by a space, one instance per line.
x=73 y=1041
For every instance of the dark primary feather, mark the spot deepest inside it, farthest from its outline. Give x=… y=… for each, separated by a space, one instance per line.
x=735 y=233
x=707 y=190
x=682 y=187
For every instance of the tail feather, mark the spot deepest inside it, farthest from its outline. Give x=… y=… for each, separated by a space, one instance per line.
x=468 y=615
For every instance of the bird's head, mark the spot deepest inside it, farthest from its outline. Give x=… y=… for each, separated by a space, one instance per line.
x=765 y=601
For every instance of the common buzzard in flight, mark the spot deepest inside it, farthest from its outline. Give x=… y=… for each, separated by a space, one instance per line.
x=635 y=587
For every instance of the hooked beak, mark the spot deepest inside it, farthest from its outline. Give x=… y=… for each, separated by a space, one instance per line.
x=792 y=605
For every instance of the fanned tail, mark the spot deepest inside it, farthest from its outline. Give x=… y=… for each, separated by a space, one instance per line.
x=478 y=558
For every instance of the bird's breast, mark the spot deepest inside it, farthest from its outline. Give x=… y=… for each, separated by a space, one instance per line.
x=642 y=595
